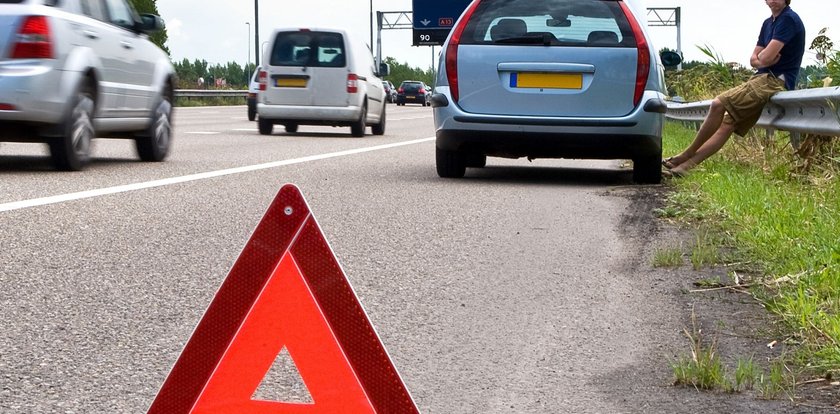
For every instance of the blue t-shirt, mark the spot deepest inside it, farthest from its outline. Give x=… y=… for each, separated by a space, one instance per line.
x=788 y=29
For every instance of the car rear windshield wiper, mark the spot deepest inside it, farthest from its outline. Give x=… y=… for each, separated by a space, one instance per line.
x=546 y=39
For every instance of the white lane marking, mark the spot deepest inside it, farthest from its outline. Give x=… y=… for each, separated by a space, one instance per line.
x=245 y=129
x=203 y=132
x=35 y=202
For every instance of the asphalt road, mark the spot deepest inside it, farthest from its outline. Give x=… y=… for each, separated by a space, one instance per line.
x=524 y=287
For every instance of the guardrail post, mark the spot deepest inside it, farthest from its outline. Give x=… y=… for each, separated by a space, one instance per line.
x=795 y=140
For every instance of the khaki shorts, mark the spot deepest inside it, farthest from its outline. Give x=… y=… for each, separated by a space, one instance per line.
x=745 y=102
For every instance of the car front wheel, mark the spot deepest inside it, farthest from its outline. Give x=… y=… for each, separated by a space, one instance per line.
x=252 y=111
x=379 y=129
x=358 y=127
x=153 y=145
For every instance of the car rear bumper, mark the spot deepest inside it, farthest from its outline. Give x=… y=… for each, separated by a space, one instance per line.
x=517 y=144
x=635 y=135
x=310 y=114
x=36 y=92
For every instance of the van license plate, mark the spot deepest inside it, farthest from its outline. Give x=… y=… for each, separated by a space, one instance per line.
x=543 y=80
x=290 y=83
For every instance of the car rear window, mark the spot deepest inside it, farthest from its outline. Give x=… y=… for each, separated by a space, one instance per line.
x=412 y=87
x=599 y=23
x=306 y=48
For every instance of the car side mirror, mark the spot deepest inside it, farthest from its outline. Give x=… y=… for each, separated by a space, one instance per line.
x=150 y=23
x=670 y=59
x=384 y=69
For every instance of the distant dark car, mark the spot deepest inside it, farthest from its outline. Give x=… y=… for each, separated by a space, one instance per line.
x=414 y=92
x=390 y=91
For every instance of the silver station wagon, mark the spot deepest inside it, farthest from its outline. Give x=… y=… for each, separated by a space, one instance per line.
x=549 y=79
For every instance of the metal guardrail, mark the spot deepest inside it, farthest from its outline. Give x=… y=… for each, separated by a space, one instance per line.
x=806 y=111
x=208 y=93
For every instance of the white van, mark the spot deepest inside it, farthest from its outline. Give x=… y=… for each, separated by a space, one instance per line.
x=320 y=77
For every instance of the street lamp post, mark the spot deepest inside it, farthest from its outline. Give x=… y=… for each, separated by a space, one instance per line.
x=257 y=32
x=248 y=62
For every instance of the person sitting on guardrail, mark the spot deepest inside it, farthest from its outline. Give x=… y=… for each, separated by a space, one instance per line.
x=777 y=57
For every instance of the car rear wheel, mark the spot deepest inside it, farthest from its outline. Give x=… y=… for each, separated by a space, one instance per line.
x=476 y=160
x=71 y=152
x=379 y=129
x=358 y=127
x=266 y=127
x=647 y=170
x=153 y=144
x=291 y=128
x=450 y=164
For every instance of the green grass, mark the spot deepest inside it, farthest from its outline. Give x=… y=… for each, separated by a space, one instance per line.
x=754 y=199
x=668 y=257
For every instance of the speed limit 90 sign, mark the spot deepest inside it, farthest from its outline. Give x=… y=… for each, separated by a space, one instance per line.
x=430 y=37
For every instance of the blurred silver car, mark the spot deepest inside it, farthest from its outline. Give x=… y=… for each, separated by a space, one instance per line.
x=549 y=79
x=253 y=92
x=71 y=70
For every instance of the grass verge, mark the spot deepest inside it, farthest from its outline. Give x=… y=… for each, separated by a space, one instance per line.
x=778 y=212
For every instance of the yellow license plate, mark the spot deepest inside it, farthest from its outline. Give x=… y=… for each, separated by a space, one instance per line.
x=546 y=80
x=290 y=83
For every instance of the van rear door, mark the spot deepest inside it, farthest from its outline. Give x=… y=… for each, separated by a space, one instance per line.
x=307 y=68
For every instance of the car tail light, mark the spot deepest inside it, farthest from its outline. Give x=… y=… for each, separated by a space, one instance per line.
x=7 y=107
x=33 y=40
x=352 y=83
x=452 y=50
x=263 y=77
x=643 y=60
x=422 y=91
x=400 y=90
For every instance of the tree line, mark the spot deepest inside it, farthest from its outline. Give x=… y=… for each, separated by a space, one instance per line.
x=201 y=74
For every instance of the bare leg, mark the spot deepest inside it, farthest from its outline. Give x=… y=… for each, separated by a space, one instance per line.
x=712 y=123
x=707 y=149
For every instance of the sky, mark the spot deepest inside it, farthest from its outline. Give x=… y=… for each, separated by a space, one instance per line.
x=216 y=30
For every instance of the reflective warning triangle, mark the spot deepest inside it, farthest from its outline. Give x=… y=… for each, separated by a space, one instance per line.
x=286 y=291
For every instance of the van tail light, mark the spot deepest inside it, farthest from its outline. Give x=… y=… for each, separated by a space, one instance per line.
x=352 y=83
x=452 y=50
x=33 y=39
x=263 y=77
x=643 y=59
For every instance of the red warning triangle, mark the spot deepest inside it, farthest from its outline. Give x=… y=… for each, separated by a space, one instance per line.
x=286 y=291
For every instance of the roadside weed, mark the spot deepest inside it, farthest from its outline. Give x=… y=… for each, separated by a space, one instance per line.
x=668 y=257
x=746 y=374
x=703 y=368
x=773 y=384
x=704 y=253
